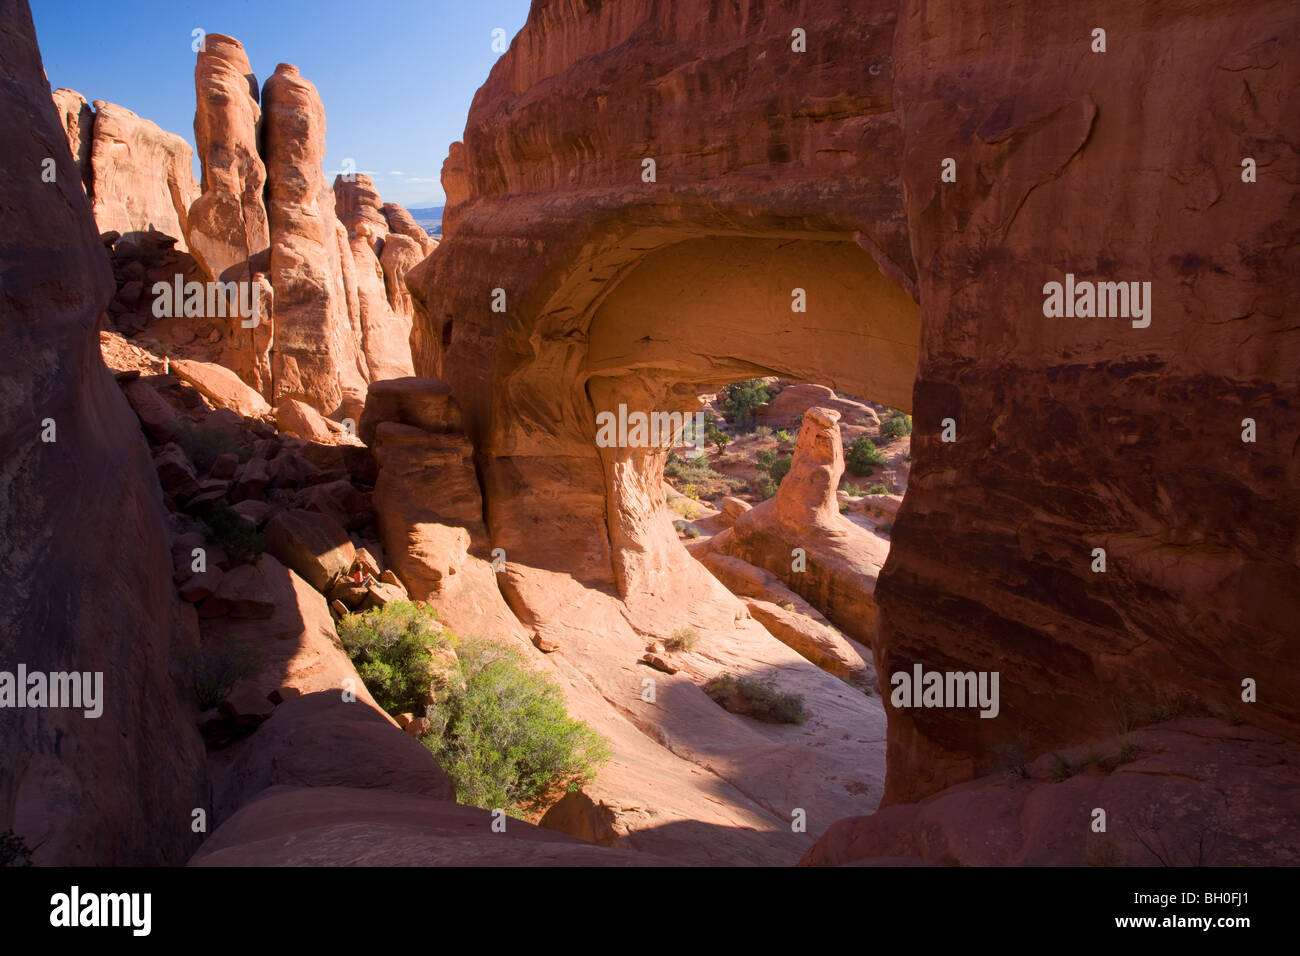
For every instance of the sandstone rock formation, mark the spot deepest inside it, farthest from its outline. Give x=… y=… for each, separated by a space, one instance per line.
x=141 y=176
x=840 y=561
x=86 y=565
x=1070 y=434
x=78 y=123
x=400 y=223
x=385 y=332
x=795 y=398
x=227 y=223
x=316 y=357
x=1192 y=792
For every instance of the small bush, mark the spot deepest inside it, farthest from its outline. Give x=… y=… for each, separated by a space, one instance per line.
x=780 y=468
x=203 y=445
x=787 y=605
x=763 y=432
x=741 y=399
x=218 y=666
x=683 y=639
x=757 y=697
x=854 y=491
x=896 y=426
x=1061 y=770
x=390 y=648
x=693 y=533
x=877 y=490
x=766 y=487
x=241 y=541
x=844 y=506
x=863 y=458
x=784 y=437
x=504 y=737
x=764 y=459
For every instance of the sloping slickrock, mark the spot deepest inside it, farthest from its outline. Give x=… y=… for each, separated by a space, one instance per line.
x=142 y=177
x=86 y=553
x=317 y=356
x=227 y=223
x=321 y=740
x=345 y=826
x=1197 y=792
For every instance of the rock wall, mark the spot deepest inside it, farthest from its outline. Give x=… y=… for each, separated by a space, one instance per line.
x=228 y=221
x=86 y=559
x=773 y=170
x=141 y=178
x=316 y=358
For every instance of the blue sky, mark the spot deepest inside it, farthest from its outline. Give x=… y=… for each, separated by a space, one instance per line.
x=396 y=76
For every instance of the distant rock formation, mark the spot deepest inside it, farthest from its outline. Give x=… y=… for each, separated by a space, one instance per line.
x=264 y=216
x=794 y=398
x=385 y=332
x=316 y=357
x=840 y=561
x=228 y=222
x=141 y=178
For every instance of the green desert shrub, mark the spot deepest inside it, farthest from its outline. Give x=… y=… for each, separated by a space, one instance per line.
x=390 y=647
x=763 y=432
x=764 y=459
x=896 y=426
x=766 y=487
x=741 y=400
x=784 y=437
x=877 y=489
x=780 y=468
x=218 y=665
x=853 y=491
x=757 y=697
x=863 y=457
x=204 y=444
x=501 y=732
x=241 y=541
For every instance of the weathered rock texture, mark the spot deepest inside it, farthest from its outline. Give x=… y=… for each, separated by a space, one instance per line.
x=840 y=561
x=821 y=171
x=88 y=586
x=228 y=222
x=316 y=357
x=385 y=333
x=142 y=178
x=78 y=123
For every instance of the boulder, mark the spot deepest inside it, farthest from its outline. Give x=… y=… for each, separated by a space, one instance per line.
x=314 y=545
x=221 y=386
x=300 y=419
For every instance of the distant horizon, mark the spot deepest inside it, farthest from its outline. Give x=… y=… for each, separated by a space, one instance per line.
x=144 y=61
